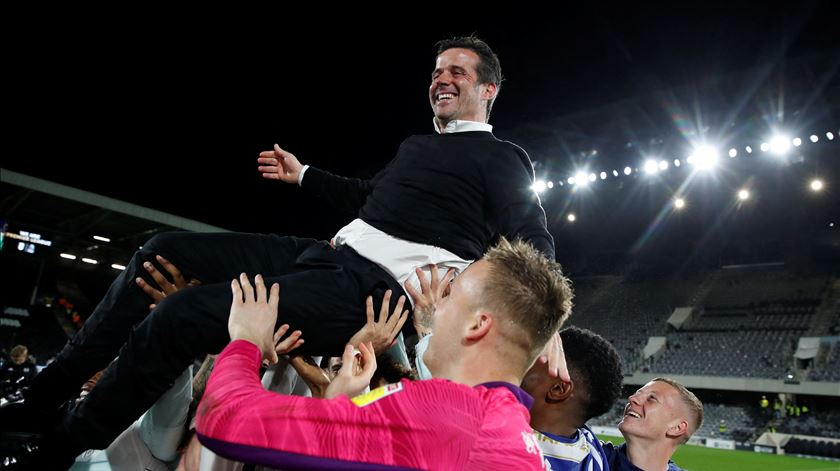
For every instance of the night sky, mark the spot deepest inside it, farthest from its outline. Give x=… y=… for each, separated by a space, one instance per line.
x=169 y=111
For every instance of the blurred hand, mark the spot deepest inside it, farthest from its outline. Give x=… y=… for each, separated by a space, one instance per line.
x=381 y=333
x=424 y=302
x=166 y=287
x=277 y=164
x=253 y=315
x=556 y=359
x=355 y=373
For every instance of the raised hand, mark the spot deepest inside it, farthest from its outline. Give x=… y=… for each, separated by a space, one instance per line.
x=167 y=287
x=277 y=164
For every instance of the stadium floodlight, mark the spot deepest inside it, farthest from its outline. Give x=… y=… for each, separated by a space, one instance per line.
x=663 y=165
x=603 y=175
x=764 y=147
x=571 y=180
x=780 y=145
x=743 y=194
x=90 y=260
x=581 y=178
x=102 y=239
x=650 y=167
x=816 y=185
x=615 y=173
x=733 y=152
x=571 y=217
x=748 y=149
x=550 y=185
x=679 y=203
x=796 y=142
x=539 y=186
x=627 y=170
x=814 y=138
x=829 y=136
x=117 y=266
x=677 y=162
x=67 y=256
x=592 y=177
x=704 y=157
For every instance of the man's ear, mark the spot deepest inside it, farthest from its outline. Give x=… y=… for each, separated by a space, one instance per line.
x=490 y=90
x=677 y=429
x=560 y=391
x=479 y=326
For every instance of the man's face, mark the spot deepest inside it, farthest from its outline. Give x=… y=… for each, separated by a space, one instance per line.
x=453 y=314
x=455 y=92
x=652 y=410
x=19 y=359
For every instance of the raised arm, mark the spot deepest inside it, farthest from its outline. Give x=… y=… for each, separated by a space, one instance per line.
x=397 y=425
x=342 y=193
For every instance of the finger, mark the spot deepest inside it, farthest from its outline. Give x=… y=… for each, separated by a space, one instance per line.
x=424 y=282
x=156 y=295
x=269 y=168
x=279 y=152
x=177 y=277
x=267 y=154
x=433 y=269
x=152 y=307
x=165 y=285
x=271 y=176
x=267 y=159
x=444 y=283
x=383 y=310
x=260 y=295
x=289 y=343
x=237 y=291
x=409 y=288
x=400 y=322
x=280 y=333
x=368 y=358
x=297 y=344
x=347 y=361
x=395 y=316
x=247 y=289
x=369 y=310
x=274 y=297
x=562 y=367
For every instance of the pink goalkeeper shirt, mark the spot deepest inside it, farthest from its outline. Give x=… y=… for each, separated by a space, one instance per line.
x=434 y=424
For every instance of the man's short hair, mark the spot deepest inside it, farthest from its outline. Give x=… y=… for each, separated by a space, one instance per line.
x=529 y=289
x=693 y=404
x=595 y=365
x=489 y=69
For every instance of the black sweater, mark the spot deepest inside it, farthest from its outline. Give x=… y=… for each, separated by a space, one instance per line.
x=457 y=191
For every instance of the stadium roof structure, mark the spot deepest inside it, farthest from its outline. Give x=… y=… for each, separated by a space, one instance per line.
x=36 y=211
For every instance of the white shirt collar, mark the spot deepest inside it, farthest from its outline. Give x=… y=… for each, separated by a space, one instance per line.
x=462 y=126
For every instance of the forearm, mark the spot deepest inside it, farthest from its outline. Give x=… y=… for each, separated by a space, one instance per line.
x=342 y=193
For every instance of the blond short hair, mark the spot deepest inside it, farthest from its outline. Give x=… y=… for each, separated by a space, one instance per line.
x=529 y=289
x=695 y=407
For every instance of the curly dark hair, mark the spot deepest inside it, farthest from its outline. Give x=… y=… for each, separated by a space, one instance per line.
x=594 y=363
x=489 y=69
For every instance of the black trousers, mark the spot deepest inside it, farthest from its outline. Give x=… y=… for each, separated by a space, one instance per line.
x=322 y=293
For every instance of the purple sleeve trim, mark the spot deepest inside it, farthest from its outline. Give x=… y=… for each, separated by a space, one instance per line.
x=286 y=460
x=520 y=394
